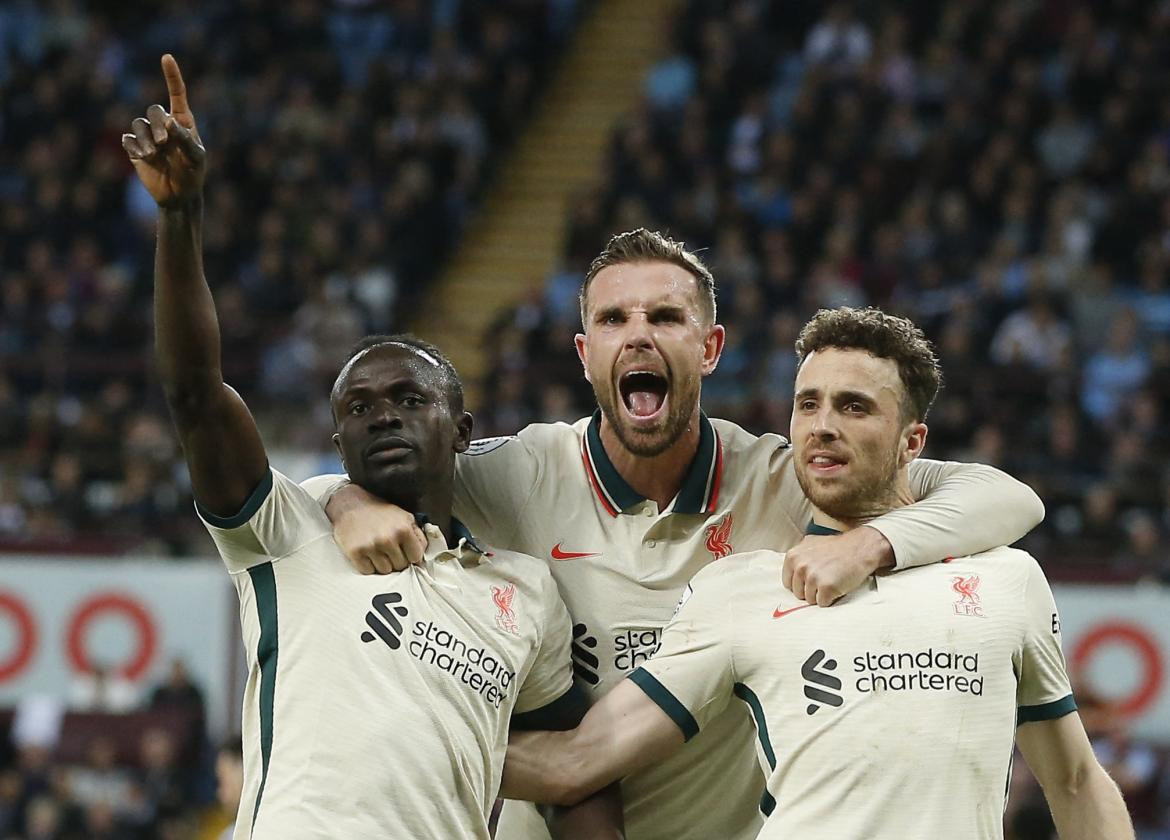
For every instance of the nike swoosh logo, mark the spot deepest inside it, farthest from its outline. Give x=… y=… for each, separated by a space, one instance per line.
x=779 y=613
x=558 y=554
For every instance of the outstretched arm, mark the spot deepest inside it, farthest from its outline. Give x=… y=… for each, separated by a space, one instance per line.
x=623 y=732
x=220 y=441
x=1085 y=803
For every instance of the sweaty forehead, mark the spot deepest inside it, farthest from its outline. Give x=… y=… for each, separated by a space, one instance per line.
x=387 y=362
x=643 y=284
x=833 y=369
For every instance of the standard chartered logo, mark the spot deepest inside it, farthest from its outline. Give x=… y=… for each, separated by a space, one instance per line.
x=634 y=647
x=924 y=670
x=880 y=671
x=474 y=666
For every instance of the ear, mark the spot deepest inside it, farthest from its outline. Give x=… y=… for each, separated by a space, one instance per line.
x=712 y=348
x=915 y=442
x=337 y=445
x=580 y=342
x=463 y=426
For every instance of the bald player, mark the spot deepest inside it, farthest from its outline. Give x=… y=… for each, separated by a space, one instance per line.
x=375 y=707
x=628 y=505
x=891 y=715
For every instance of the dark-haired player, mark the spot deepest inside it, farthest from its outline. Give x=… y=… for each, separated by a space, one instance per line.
x=375 y=707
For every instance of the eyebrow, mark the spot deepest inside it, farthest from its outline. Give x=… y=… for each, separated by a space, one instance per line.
x=839 y=396
x=657 y=310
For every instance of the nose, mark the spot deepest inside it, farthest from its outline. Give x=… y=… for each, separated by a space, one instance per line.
x=638 y=333
x=384 y=414
x=824 y=426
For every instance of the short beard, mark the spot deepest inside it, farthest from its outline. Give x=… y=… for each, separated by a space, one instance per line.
x=656 y=442
x=869 y=500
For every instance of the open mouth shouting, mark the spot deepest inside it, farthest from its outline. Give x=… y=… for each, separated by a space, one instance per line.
x=644 y=395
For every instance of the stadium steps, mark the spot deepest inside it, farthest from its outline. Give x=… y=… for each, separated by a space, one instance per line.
x=515 y=238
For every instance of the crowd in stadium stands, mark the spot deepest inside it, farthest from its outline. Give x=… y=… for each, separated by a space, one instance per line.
x=348 y=142
x=998 y=171
x=105 y=768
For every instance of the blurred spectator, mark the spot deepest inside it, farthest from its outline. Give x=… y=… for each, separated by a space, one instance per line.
x=999 y=174
x=229 y=776
x=102 y=689
x=350 y=142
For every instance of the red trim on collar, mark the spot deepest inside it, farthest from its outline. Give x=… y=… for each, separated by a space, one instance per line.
x=593 y=479
x=718 y=479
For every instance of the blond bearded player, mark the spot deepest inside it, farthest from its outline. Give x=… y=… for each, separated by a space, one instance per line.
x=631 y=503
x=891 y=716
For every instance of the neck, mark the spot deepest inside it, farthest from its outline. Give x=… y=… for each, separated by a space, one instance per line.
x=435 y=504
x=896 y=495
x=657 y=477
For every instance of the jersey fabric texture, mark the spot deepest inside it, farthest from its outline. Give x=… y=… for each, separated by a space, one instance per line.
x=379 y=706
x=621 y=564
x=891 y=714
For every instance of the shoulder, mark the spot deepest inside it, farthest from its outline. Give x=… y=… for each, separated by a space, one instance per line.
x=737 y=441
x=738 y=572
x=523 y=570
x=534 y=439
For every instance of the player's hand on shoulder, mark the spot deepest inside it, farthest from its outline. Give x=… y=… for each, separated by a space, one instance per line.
x=165 y=148
x=821 y=569
x=375 y=536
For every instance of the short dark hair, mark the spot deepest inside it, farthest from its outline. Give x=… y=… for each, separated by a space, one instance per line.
x=640 y=246
x=885 y=336
x=453 y=382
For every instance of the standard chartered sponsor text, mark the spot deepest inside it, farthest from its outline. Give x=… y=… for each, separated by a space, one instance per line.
x=924 y=670
x=472 y=665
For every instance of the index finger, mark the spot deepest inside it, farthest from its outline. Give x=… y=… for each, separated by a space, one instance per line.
x=175 y=86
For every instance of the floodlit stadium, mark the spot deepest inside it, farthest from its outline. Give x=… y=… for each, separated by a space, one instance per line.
x=202 y=620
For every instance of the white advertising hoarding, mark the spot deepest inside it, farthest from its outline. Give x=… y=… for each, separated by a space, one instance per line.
x=60 y=616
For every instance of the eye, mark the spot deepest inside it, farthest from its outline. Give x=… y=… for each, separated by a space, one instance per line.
x=808 y=405
x=358 y=408
x=413 y=401
x=855 y=408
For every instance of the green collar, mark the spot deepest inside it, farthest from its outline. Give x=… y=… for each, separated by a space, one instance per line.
x=820 y=530
x=700 y=488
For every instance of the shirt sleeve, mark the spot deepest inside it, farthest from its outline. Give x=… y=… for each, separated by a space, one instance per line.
x=494 y=480
x=276 y=520
x=963 y=509
x=1043 y=691
x=691 y=677
x=322 y=487
x=551 y=674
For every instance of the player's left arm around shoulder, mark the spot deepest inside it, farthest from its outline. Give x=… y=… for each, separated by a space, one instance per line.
x=962 y=509
x=1085 y=802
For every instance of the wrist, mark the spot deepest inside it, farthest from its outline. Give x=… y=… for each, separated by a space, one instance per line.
x=182 y=206
x=878 y=548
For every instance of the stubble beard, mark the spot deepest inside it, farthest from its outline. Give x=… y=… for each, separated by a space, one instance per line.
x=651 y=442
x=857 y=499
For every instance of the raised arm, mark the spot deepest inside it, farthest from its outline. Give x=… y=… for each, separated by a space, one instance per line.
x=1085 y=803
x=220 y=441
x=623 y=732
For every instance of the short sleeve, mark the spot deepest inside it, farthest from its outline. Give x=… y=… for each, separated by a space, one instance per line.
x=276 y=520
x=322 y=487
x=691 y=677
x=493 y=481
x=1043 y=691
x=551 y=674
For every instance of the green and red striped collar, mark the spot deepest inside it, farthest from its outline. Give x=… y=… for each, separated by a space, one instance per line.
x=700 y=488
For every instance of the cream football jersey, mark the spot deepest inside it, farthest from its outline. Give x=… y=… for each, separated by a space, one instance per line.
x=380 y=706
x=891 y=714
x=621 y=564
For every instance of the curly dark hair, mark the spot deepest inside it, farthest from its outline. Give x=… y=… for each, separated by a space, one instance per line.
x=885 y=336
